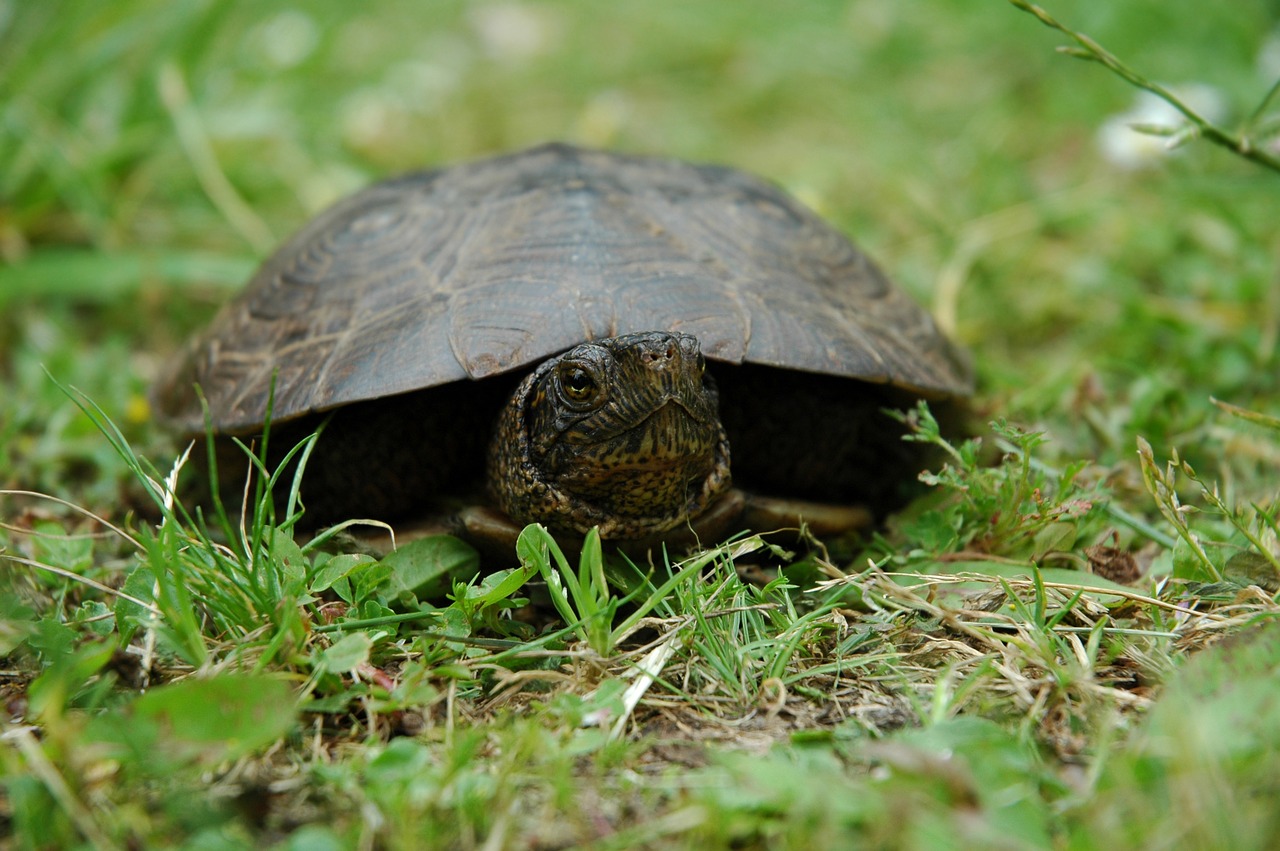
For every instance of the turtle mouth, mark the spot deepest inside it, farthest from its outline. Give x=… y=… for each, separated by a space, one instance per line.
x=672 y=423
x=648 y=464
x=674 y=405
x=673 y=416
x=644 y=470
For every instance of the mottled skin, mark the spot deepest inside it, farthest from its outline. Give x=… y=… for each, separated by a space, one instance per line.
x=622 y=433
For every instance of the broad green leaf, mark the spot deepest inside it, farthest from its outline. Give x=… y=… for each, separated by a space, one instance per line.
x=201 y=720
x=52 y=692
x=337 y=568
x=1187 y=564
x=1251 y=568
x=402 y=759
x=52 y=639
x=426 y=568
x=288 y=558
x=500 y=585
x=1055 y=537
x=52 y=545
x=314 y=837
x=350 y=652
x=96 y=617
x=17 y=623
x=1003 y=773
x=140 y=584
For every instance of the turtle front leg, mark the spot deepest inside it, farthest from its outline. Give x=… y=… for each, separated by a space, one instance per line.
x=764 y=513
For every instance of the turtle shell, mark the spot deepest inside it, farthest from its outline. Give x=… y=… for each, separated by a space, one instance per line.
x=487 y=267
x=385 y=303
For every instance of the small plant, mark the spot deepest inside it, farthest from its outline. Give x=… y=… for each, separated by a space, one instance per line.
x=1251 y=142
x=1235 y=547
x=585 y=597
x=1014 y=509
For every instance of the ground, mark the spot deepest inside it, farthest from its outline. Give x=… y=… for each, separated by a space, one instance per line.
x=1067 y=641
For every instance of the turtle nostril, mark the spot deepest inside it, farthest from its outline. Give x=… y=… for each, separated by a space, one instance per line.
x=658 y=352
x=658 y=357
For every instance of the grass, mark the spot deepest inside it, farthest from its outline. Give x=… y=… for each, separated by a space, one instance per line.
x=1069 y=641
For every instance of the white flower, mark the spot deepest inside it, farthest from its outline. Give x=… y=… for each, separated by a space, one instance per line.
x=1127 y=148
x=513 y=31
x=287 y=38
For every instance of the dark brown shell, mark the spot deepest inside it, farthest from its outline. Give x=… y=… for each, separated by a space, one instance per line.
x=487 y=267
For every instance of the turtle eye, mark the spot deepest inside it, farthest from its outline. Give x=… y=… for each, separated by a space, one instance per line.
x=702 y=364
x=577 y=383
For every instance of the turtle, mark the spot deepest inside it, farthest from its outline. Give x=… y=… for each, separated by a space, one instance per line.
x=577 y=338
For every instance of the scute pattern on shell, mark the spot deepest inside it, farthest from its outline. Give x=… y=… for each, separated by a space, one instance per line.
x=489 y=266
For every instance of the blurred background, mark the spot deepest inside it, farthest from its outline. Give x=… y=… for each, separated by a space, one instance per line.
x=151 y=153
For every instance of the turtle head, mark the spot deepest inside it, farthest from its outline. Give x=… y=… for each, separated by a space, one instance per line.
x=623 y=433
